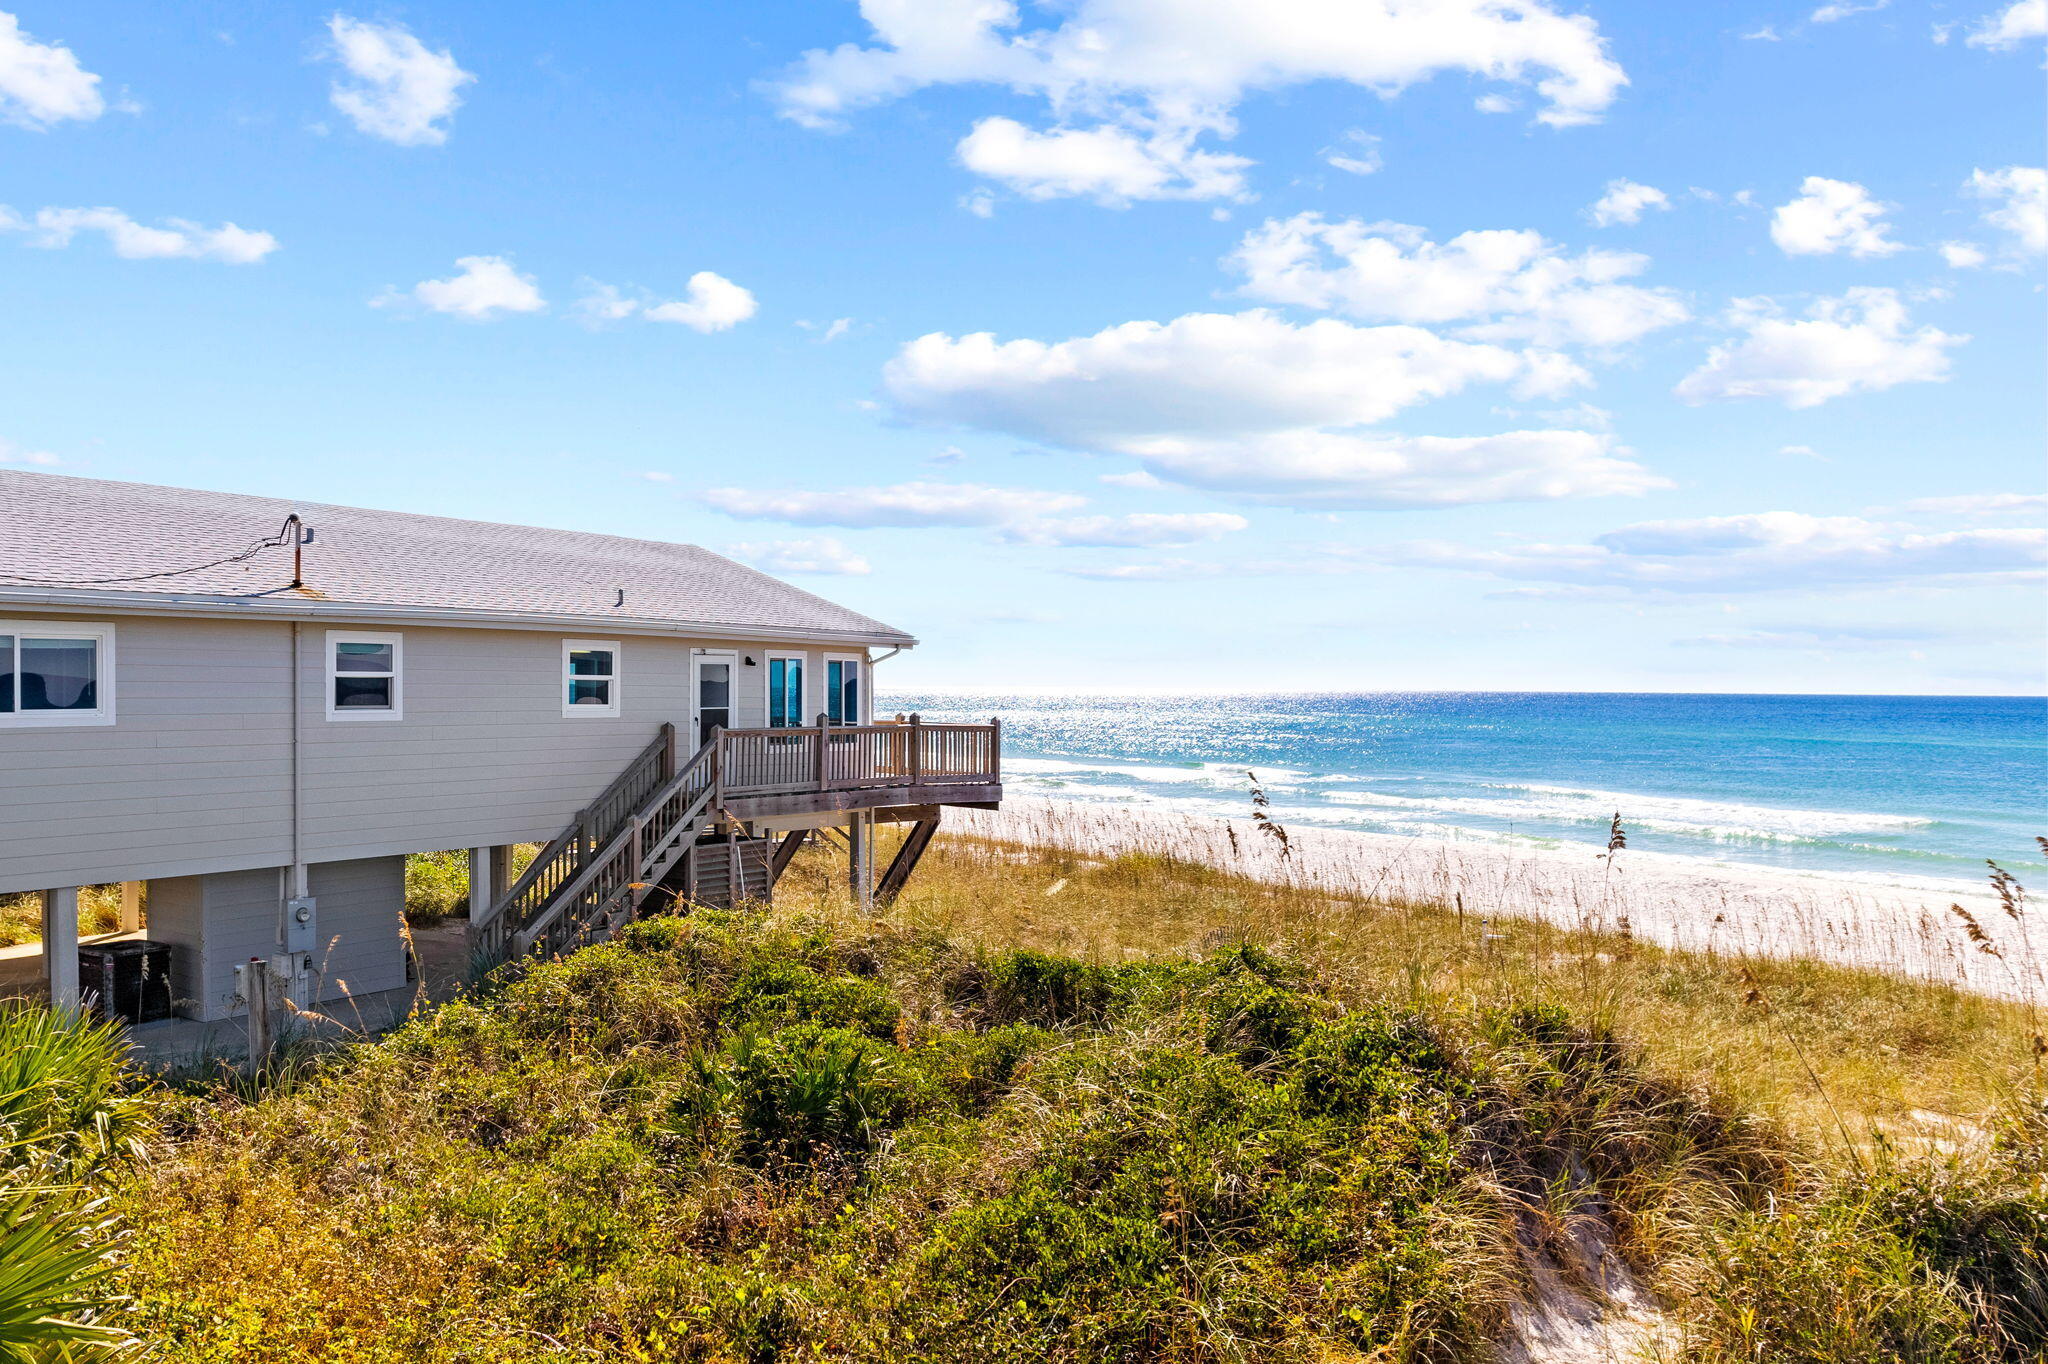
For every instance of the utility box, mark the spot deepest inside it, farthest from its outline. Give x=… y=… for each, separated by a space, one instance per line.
x=128 y=980
x=301 y=931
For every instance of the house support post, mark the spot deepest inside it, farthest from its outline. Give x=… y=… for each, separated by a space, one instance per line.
x=131 y=906
x=860 y=859
x=480 y=896
x=60 y=946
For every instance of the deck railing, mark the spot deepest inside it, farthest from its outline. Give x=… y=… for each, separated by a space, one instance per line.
x=827 y=757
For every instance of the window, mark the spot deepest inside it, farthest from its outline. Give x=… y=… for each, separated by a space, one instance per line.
x=842 y=691
x=785 y=690
x=590 y=677
x=363 y=676
x=55 y=672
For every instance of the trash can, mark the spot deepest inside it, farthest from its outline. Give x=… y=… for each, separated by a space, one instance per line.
x=128 y=980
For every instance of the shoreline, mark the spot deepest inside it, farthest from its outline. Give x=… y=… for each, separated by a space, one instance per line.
x=1663 y=898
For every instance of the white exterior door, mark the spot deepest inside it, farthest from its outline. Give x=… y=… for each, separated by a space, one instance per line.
x=714 y=679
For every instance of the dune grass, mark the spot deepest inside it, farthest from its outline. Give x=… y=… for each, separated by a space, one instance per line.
x=21 y=915
x=1055 y=1107
x=1839 y=1057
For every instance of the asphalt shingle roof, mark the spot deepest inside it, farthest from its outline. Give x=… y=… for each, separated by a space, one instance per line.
x=54 y=527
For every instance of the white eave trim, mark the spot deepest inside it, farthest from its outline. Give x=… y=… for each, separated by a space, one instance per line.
x=453 y=617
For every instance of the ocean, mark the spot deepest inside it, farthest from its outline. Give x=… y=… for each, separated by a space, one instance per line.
x=1902 y=790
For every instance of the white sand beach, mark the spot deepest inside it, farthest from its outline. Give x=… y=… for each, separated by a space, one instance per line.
x=1683 y=902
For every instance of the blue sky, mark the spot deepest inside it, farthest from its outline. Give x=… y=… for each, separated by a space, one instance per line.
x=1113 y=344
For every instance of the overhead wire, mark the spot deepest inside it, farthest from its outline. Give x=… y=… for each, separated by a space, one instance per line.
x=292 y=525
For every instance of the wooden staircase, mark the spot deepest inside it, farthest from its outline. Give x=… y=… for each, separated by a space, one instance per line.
x=589 y=882
x=725 y=871
x=678 y=831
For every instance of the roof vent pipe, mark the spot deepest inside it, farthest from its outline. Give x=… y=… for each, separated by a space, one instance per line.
x=619 y=597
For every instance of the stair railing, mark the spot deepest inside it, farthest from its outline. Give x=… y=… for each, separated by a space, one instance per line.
x=654 y=838
x=570 y=851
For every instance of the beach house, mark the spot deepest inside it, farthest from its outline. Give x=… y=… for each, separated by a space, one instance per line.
x=248 y=711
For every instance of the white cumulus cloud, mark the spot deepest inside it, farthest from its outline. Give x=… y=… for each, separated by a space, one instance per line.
x=1830 y=216
x=482 y=287
x=1762 y=551
x=1358 y=153
x=1130 y=85
x=902 y=504
x=1962 y=255
x=1860 y=342
x=1265 y=409
x=1110 y=165
x=1839 y=10
x=1136 y=530
x=1625 y=202
x=43 y=83
x=823 y=555
x=2019 y=195
x=2011 y=26
x=710 y=303
x=398 y=88
x=176 y=238
x=1505 y=285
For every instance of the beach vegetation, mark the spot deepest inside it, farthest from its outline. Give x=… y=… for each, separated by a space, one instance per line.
x=1059 y=1105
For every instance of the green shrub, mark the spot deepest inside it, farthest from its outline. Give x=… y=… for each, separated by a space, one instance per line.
x=436 y=885
x=67 y=1102
x=1985 y=1233
x=772 y=994
x=806 y=1090
x=1024 y=986
x=1827 y=1284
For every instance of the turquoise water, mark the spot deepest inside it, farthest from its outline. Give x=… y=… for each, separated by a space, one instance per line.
x=1895 y=788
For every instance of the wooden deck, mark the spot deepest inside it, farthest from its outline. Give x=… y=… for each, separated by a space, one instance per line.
x=766 y=772
x=637 y=832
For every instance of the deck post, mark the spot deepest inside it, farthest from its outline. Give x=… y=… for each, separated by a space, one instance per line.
x=860 y=859
x=824 y=740
x=916 y=749
x=501 y=871
x=60 y=946
x=131 y=906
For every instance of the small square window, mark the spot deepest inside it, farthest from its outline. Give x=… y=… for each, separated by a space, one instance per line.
x=590 y=677
x=364 y=676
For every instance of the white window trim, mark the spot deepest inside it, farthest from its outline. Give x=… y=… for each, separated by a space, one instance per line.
x=397 y=643
x=102 y=633
x=603 y=712
x=867 y=700
x=804 y=712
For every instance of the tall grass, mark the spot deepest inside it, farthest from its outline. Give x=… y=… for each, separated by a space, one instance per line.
x=21 y=915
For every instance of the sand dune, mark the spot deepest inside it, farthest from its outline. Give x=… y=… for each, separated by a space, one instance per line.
x=1675 y=901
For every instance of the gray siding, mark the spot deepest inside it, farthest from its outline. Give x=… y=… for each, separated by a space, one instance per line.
x=360 y=904
x=177 y=916
x=195 y=776
x=213 y=923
